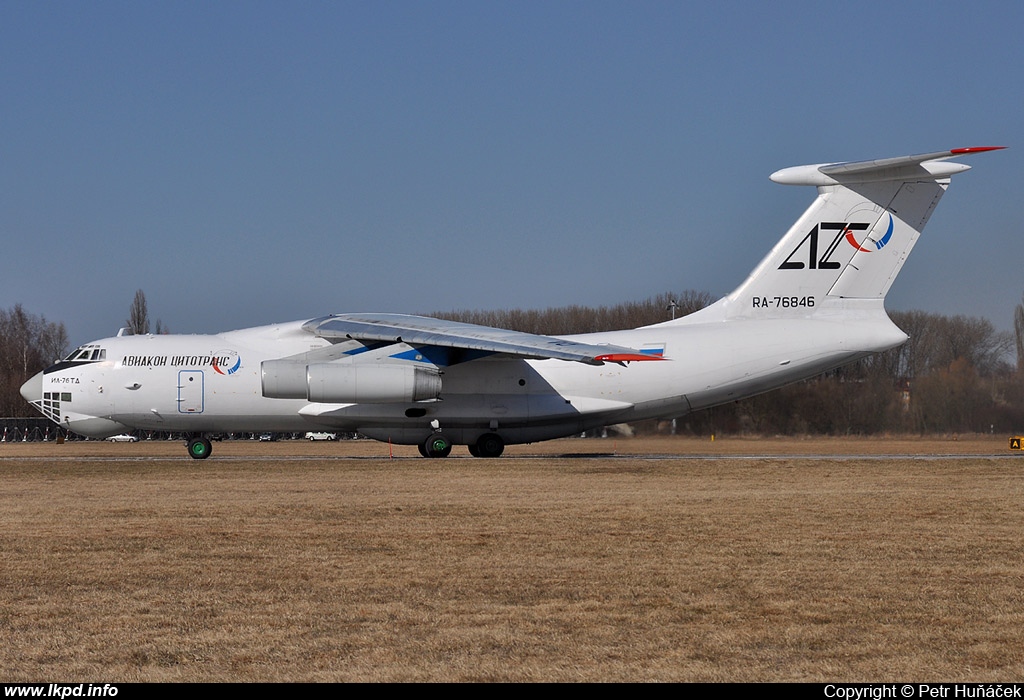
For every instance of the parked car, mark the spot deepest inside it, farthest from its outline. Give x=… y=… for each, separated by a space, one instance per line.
x=329 y=437
x=124 y=437
x=267 y=437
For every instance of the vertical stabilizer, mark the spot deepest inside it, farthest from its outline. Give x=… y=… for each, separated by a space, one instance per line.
x=853 y=239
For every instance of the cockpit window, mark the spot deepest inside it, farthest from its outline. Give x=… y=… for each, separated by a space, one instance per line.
x=87 y=353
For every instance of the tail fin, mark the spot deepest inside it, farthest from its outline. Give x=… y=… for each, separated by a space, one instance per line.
x=853 y=240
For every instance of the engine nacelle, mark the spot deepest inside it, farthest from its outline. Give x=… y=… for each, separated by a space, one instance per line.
x=283 y=379
x=349 y=382
x=370 y=383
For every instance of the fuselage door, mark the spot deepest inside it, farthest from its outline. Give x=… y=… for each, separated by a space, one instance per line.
x=190 y=391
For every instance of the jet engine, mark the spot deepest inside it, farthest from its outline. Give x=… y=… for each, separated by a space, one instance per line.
x=349 y=382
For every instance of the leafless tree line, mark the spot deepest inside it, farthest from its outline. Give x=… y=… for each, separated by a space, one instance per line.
x=570 y=320
x=28 y=344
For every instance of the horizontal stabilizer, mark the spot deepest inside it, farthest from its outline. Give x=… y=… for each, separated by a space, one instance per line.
x=928 y=165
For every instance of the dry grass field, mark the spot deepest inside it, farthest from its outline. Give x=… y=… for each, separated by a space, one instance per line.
x=575 y=560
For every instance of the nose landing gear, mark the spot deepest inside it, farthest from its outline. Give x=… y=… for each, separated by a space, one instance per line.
x=199 y=448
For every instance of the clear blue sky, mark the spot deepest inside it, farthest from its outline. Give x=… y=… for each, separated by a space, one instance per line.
x=251 y=162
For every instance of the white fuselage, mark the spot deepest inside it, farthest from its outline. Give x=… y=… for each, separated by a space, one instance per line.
x=814 y=302
x=212 y=383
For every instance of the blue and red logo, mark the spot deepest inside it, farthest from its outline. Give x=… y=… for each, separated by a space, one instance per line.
x=879 y=244
x=226 y=362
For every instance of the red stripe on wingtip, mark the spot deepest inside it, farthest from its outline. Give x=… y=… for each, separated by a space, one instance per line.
x=627 y=357
x=976 y=149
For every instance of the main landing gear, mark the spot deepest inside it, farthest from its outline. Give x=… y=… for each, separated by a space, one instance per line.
x=488 y=445
x=199 y=448
x=437 y=445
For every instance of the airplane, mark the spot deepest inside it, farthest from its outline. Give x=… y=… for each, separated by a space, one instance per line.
x=815 y=302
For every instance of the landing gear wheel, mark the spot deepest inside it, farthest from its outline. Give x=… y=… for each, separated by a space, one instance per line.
x=489 y=445
x=474 y=450
x=422 y=447
x=199 y=448
x=437 y=445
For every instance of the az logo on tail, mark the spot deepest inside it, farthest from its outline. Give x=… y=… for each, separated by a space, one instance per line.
x=844 y=230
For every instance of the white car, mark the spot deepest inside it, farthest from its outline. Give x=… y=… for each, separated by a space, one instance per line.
x=124 y=437
x=330 y=437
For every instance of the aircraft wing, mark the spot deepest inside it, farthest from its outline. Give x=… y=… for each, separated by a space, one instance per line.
x=422 y=330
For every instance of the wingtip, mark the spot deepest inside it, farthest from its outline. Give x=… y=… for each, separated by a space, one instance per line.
x=975 y=149
x=627 y=357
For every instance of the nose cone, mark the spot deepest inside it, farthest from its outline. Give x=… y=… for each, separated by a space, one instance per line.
x=32 y=390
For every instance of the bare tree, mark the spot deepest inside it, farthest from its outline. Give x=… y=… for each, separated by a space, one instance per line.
x=138 y=315
x=1018 y=331
x=937 y=341
x=28 y=344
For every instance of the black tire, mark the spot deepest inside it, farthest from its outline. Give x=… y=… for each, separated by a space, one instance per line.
x=473 y=450
x=490 y=445
x=199 y=448
x=437 y=445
